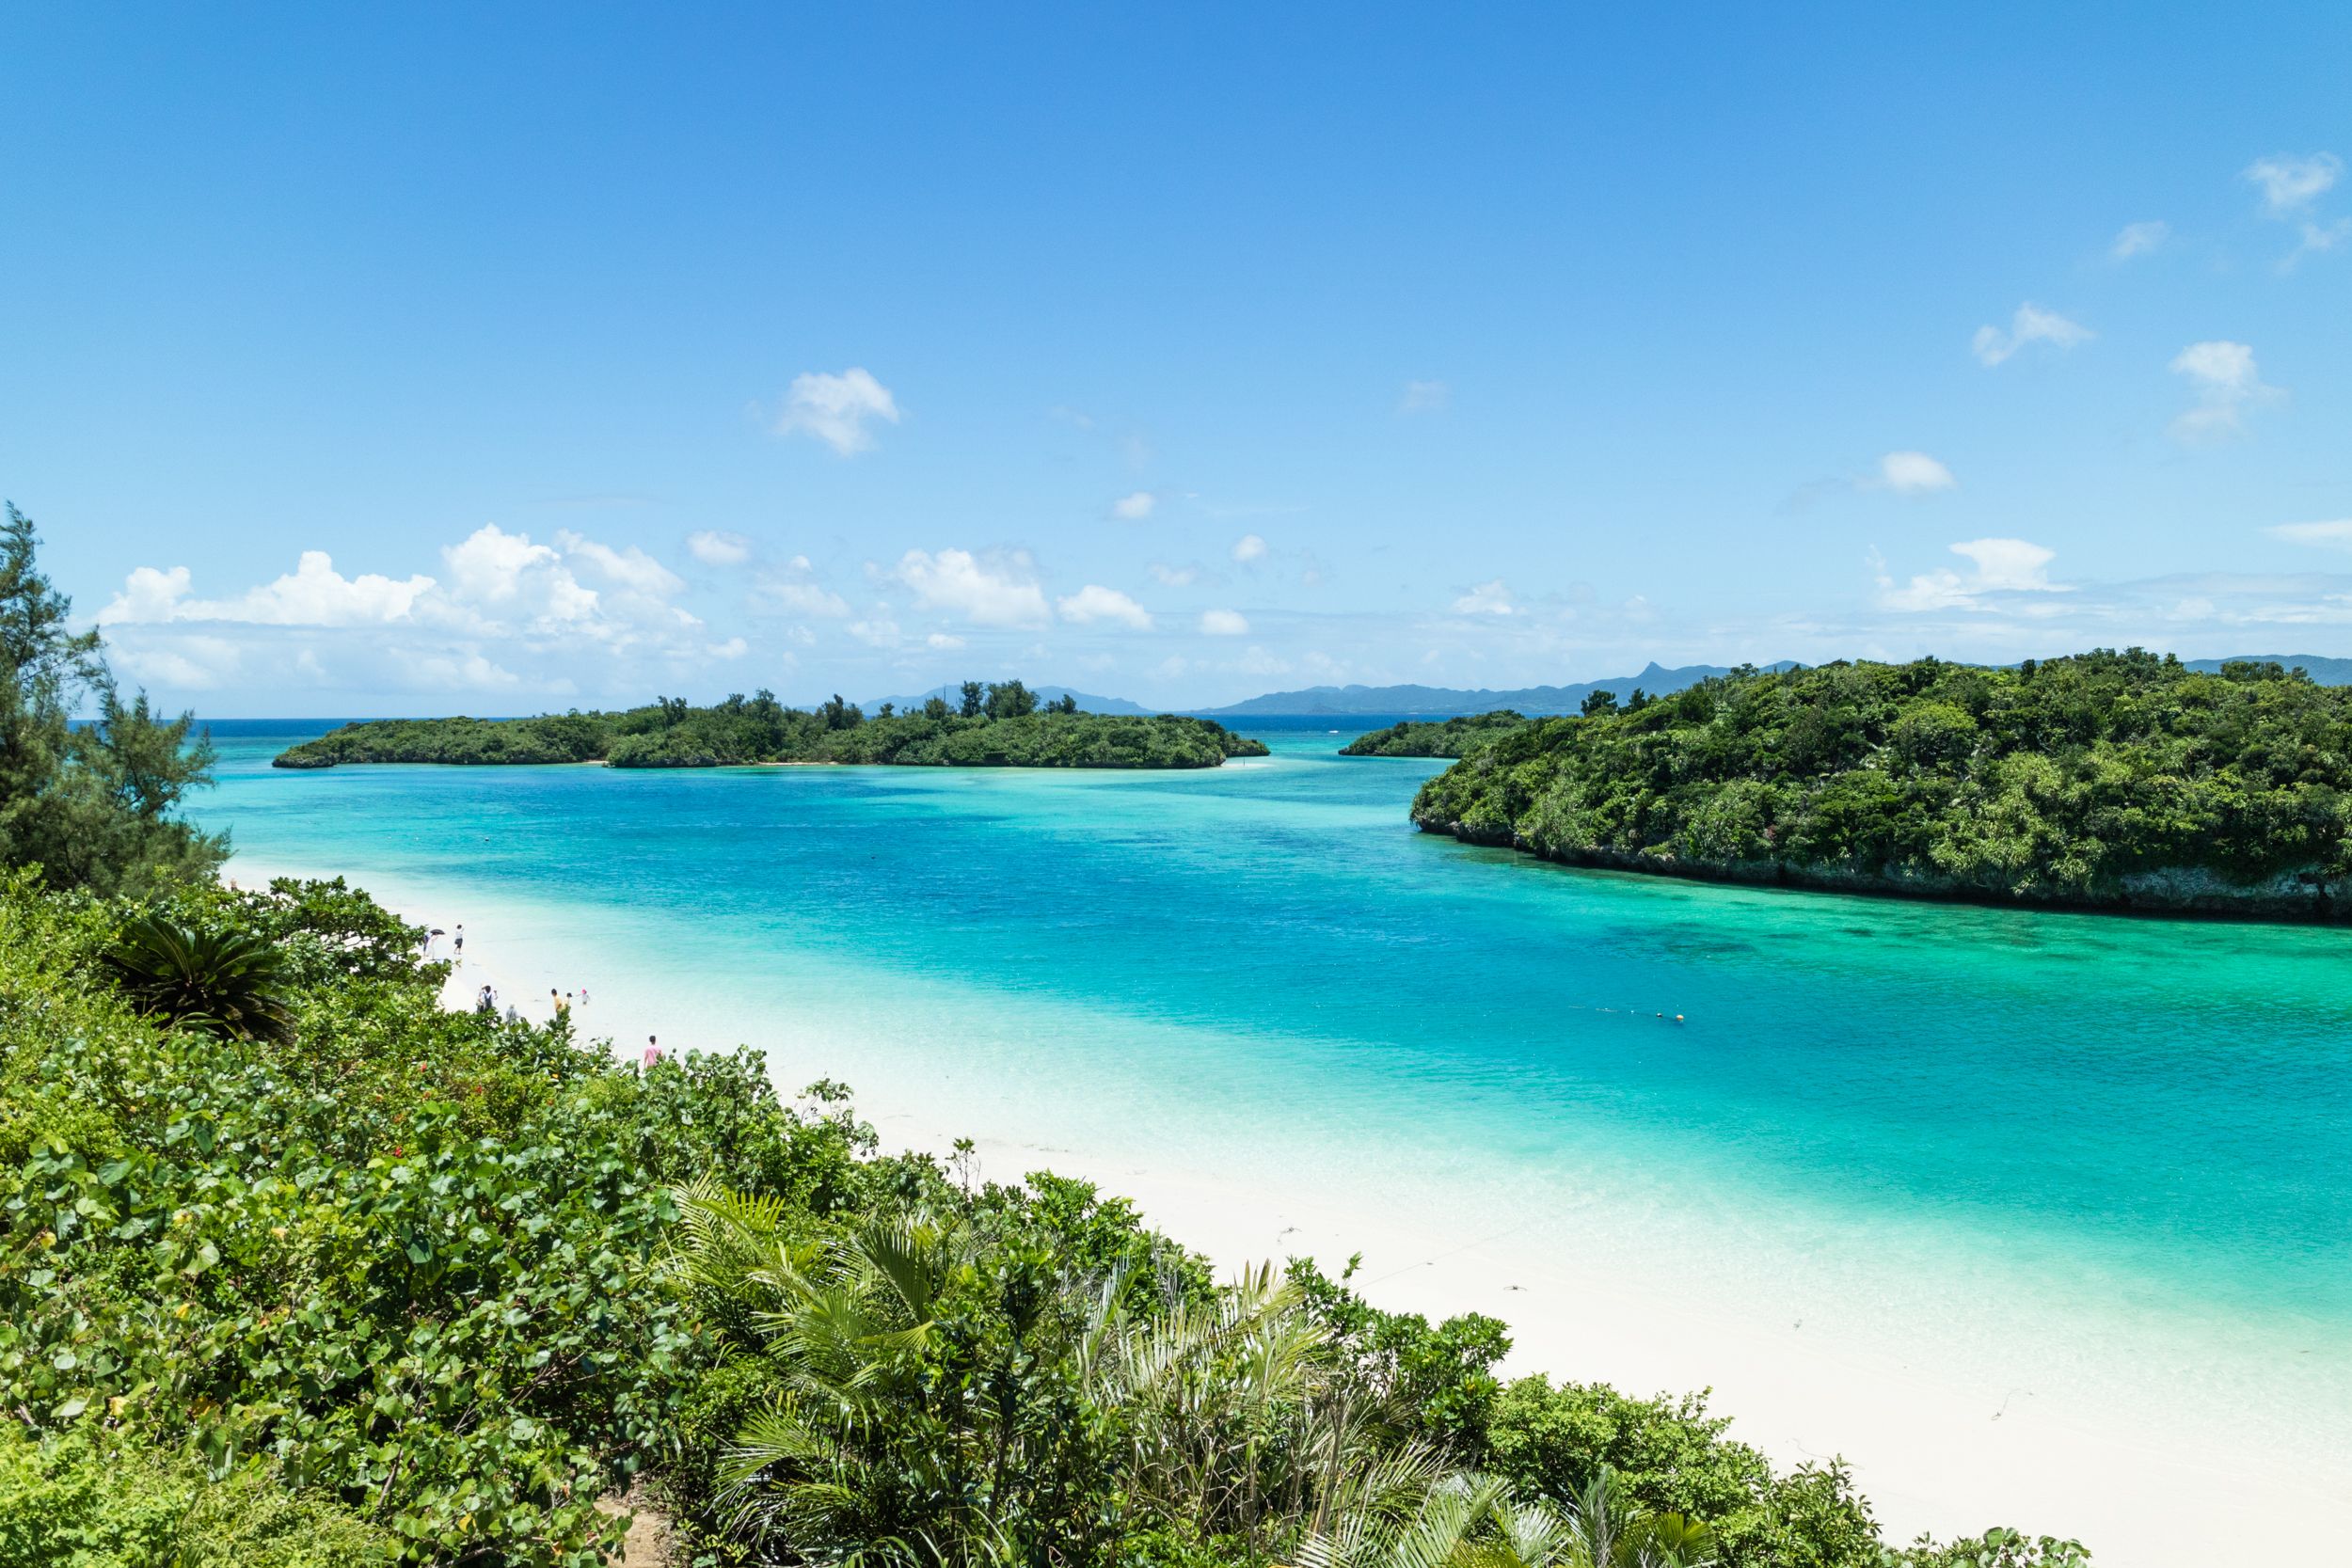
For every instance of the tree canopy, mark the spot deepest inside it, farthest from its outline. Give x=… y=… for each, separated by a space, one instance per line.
x=1001 y=725
x=89 y=780
x=2109 y=778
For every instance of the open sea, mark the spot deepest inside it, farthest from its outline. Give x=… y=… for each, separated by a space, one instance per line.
x=2111 y=1155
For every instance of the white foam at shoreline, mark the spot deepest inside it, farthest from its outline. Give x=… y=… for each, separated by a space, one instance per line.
x=1933 y=1448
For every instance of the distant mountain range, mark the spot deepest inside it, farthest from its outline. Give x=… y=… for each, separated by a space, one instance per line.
x=1535 y=700
x=953 y=691
x=1391 y=701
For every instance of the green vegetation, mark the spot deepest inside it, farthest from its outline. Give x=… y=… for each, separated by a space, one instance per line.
x=91 y=804
x=2106 y=780
x=994 y=726
x=1435 y=737
x=298 y=1269
x=416 y=1285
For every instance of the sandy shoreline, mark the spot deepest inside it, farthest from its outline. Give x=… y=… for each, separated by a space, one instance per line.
x=1932 y=1452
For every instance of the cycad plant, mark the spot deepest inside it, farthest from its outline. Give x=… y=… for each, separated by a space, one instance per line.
x=1474 y=1522
x=955 y=1395
x=208 y=978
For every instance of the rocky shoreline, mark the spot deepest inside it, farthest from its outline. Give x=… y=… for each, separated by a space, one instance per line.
x=2303 y=895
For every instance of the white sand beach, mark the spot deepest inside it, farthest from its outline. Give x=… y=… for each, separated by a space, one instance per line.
x=1932 y=1452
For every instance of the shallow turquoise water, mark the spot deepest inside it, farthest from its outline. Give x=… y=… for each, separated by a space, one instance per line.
x=2119 y=1149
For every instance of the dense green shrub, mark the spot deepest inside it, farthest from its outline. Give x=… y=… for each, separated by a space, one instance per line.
x=1435 y=737
x=87 y=1498
x=2060 y=781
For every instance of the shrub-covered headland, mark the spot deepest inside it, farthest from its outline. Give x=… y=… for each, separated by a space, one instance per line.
x=2117 y=780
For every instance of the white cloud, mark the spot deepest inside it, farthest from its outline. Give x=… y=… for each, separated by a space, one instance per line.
x=312 y=594
x=464 y=671
x=2318 y=238
x=1224 y=623
x=734 y=647
x=717 y=548
x=1136 y=507
x=1487 y=598
x=2336 y=535
x=1095 y=602
x=631 y=568
x=2137 y=238
x=1425 y=397
x=2227 y=383
x=1912 y=473
x=834 y=408
x=998 y=592
x=797 y=597
x=1174 y=576
x=2289 y=184
x=2002 y=566
x=1249 y=548
x=941 y=640
x=2030 y=324
x=876 y=633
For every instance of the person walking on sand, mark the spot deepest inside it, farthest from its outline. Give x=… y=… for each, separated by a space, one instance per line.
x=562 y=1006
x=459 y=942
x=653 y=1050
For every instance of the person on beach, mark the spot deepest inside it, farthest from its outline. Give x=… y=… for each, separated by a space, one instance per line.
x=653 y=1050
x=555 y=996
x=459 y=942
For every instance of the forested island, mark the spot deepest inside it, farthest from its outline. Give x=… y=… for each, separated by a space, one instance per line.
x=2107 y=780
x=1434 y=737
x=300 y=1270
x=994 y=725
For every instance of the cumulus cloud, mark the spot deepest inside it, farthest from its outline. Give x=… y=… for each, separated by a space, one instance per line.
x=1000 y=591
x=836 y=409
x=1249 y=548
x=2030 y=324
x=1223 y=623
x=2290 y=184
x=2000 y=567
x=2138 y=239
x=631 y=568
x=1912 y=473
x=942 y=642
x=1487 y=598
x=505 y=610
x=2336 y=535
x=312 y=594
x=2227 y=385
x=796 y=596
x=717 y=548
x=734 y=647
x=875 y=632
x=1135 y=507
x=1425 y=397
x=1095 y=602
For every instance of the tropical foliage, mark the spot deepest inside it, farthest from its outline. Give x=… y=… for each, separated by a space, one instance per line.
x=423 y=1285
x=999 y=725
x=211 y=977
x=92 y=805
x=1434 y=737
x=2107 y=779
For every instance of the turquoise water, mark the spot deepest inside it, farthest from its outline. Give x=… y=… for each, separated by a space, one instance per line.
x=2112 y=1154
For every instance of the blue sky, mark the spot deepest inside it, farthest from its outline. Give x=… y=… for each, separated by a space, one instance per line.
x=491 y=358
